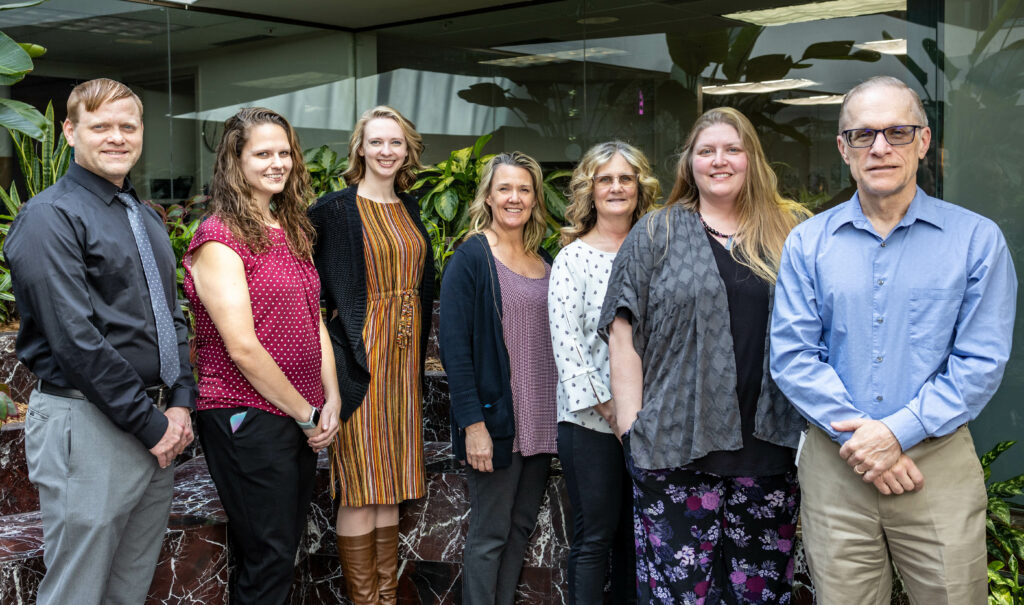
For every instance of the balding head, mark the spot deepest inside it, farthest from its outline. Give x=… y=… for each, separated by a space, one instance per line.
x=884 y=82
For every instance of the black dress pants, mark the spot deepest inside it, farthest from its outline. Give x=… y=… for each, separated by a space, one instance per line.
x=264 y=473
x=601 y=494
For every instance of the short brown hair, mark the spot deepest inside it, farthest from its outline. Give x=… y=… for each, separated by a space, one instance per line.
x=94 y=93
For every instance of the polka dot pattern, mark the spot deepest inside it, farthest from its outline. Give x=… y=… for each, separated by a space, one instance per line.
x=166 y=338
x=579 y=279
x=285 y=296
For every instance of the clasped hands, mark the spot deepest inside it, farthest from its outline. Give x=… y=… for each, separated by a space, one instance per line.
x=875 y=453
x=176 y=437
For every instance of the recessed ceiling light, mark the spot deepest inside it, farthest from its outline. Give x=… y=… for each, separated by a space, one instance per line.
x=133 y=40
x=815 y=100
x=553 y=57
x=185 y=2
x=757 y=87
x=818 y=11
x=886 y=47
x=597 y=20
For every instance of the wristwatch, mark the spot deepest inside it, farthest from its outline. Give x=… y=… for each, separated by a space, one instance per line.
x=314 y=419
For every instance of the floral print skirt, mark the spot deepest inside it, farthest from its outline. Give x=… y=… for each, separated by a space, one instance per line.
x=703 y=539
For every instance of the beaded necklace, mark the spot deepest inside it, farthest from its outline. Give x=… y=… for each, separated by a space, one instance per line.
x=717 y=233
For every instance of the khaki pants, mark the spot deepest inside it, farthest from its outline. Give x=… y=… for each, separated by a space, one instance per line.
x=935 y=536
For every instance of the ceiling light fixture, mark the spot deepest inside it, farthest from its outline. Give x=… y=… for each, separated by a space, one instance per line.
x=554 y=57
x=886 y=47
x=757 y=87
x=815 y=100
x=597 y=20
x=818 y=11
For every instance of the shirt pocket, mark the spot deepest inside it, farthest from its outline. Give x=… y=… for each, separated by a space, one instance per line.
x=932 y=316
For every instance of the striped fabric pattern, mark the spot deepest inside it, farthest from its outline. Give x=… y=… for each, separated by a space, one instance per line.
x=378 y=452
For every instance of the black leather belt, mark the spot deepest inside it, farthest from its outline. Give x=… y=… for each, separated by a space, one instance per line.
x=159 y=394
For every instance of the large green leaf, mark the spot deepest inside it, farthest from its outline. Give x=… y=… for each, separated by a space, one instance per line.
x=447 y=204
x=479 y=145
x=34 y=50
x=15 y=63
x=989 y=457
x=22 y=117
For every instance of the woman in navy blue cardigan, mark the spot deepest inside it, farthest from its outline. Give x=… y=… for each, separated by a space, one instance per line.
x=493 y=302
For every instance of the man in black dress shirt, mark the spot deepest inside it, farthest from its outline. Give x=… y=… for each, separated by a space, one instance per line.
x=115 y=391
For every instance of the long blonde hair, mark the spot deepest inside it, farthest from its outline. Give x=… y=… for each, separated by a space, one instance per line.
x=231 y=197
x=765 y=217
x=581 y=215
x=480 y=216
x=406 y=175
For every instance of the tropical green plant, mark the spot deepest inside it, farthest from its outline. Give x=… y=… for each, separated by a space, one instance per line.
x=325 y=169
x=15 y=64
x=555 y=199
x=446 y=189
x=42 y=159
x=8 y=409
x=1004 y=540
x=1005 y=587
x=181 y=221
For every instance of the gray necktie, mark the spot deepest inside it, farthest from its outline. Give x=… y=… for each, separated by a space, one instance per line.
x=166 y=339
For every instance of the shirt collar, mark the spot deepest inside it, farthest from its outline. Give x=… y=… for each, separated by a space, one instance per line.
x=97 y=185
x=922 y=208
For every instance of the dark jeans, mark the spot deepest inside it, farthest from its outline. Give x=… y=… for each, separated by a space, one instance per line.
x=264 y=476
x=601 y=495
x=503 y=508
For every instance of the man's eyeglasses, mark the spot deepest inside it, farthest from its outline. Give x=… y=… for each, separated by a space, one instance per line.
x=607 y=180
x=895 y=135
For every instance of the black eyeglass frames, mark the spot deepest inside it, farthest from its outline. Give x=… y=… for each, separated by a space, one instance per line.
x=895 y=135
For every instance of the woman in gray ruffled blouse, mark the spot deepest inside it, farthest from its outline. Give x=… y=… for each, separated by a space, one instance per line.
x=707 y=435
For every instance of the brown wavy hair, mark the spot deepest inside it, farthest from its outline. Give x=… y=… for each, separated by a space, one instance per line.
x=480 y=216
x=765 y=217
x=581 y=213
x=231 y=198
x=414 y=143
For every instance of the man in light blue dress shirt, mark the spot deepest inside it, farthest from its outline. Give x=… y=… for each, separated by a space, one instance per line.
x=892 y=326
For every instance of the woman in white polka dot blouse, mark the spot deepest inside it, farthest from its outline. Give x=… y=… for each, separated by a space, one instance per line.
x=612 y=187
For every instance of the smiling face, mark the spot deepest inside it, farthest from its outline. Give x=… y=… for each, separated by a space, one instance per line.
x=266 y=161
x=883 y=171
x=612 y=197
x=107 y=141
x=719 y=163
x=511 y=198
x=384 y=148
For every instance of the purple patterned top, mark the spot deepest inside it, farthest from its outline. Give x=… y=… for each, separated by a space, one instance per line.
x=524 y=321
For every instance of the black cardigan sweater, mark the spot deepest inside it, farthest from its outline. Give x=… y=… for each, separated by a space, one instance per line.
x=473 y=349
x=338 y=255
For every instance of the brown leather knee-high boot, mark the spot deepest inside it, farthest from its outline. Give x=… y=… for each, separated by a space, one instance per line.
x=358 y=555
x=387 y=564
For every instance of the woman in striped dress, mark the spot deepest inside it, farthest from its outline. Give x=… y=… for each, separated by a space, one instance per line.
x=372 y=254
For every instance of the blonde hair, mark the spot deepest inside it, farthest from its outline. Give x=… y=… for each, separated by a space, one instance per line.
x=94 y=93
x=231 y=197
x=414 y=143
x=581 y=215
x=765 y=217
x=480 y=216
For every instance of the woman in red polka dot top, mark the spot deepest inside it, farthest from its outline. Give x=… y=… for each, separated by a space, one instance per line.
x=264 y=359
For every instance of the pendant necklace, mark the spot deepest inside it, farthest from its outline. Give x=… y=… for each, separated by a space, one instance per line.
x=717 y=233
